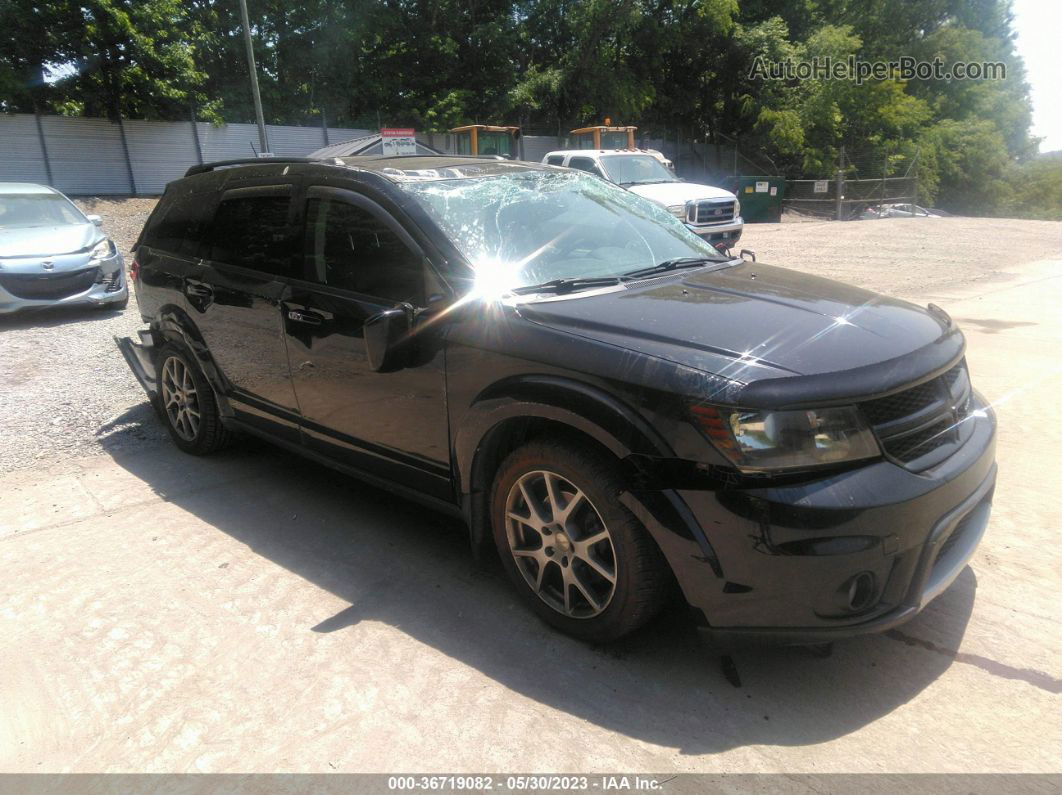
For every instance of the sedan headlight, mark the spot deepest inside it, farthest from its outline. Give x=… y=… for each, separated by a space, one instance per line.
x=103 y=250
x=678 y=210
x=768 y=440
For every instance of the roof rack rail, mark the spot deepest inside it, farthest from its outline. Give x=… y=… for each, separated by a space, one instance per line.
x=243 y=161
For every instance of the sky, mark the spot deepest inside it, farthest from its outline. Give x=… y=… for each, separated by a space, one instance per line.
x=1037 y=24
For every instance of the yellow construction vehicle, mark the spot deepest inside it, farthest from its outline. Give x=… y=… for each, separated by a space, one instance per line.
x=485 y=139
x=604 y=137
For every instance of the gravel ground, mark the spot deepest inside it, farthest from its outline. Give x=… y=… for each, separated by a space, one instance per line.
x=66 y=392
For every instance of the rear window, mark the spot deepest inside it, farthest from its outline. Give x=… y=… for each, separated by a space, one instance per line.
x=253 y=232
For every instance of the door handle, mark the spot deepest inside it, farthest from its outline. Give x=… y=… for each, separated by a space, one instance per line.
x=310 y=318
x=198 y=291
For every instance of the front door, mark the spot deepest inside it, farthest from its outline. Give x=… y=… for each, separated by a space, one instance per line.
x=359 y=261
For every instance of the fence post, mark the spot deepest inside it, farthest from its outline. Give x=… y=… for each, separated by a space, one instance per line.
x=125 y=150
x=44 y=148
x=915 y=191
x=840 y=185
x=324 y=127
x=884 y=171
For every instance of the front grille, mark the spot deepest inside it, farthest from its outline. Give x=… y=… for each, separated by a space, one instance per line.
x=922 y=441
x=921 y=426
x=903 y=403
x=711 y=211
x=48 y=286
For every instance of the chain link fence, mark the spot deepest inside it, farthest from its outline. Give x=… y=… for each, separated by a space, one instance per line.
x=861 y=179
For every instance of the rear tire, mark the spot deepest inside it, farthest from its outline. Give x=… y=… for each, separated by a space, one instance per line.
x=577 y=557
x=186 y=403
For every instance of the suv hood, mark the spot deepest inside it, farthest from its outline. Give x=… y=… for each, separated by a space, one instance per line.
x=42 y=241
x=672 y=193
x=757 y=326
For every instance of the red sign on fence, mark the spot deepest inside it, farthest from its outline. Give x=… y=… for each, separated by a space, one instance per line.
x=399 y=140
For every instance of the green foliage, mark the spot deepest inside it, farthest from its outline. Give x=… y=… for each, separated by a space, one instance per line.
x=1035 y=190
x=680 y=68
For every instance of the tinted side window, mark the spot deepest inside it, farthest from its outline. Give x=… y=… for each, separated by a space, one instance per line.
x=252 y=232
x=180 y=224
x=350 y=248
x=583 y=164
x=555 y=160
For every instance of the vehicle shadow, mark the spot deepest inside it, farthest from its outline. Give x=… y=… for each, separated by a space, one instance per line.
x=50 y=317
x=398 y=563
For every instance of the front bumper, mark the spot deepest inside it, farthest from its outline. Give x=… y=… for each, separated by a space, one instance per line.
x=109 y=285
x=728 y=233
x=783 y=559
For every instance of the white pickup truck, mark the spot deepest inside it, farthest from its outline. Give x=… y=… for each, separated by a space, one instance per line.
x=713 y=213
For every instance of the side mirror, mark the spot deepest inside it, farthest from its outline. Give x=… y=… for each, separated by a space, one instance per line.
x=95 y=219
x=387 y=338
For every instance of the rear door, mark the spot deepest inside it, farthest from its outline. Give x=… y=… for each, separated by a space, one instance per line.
x=359 y=261
x=248 y=258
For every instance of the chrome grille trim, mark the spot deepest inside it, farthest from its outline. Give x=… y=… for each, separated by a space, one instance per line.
x=707 y=212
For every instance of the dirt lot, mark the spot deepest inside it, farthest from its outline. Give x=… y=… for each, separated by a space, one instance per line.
x=254 y=613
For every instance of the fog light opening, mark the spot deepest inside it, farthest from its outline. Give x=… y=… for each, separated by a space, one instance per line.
x=860 y=591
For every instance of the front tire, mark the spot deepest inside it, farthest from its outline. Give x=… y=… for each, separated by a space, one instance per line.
x=187 y=404
x=577 y=557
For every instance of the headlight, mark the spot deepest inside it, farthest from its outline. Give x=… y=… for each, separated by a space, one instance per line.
x=767 y=440
x=103 y=250
x=737 y=207
x=678 y=210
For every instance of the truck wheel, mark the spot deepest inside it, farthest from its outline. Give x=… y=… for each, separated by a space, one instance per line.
x=187 y=403
x=579 y=559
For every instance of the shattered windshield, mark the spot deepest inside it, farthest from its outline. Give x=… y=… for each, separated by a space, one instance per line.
x=532 y=227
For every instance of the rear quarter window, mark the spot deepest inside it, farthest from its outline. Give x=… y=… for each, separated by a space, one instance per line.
x=179 y=223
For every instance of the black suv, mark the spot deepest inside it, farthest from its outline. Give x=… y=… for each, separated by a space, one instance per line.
x=605 y=399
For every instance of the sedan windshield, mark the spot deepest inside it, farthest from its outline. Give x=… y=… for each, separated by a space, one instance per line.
x=635 y=169
x=37 y=209
x=533 y=227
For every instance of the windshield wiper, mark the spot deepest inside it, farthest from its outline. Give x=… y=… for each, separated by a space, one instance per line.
x=670 y=265
x=567 y=285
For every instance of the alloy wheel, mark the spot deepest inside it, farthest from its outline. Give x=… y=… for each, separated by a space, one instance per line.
x=180 y=398
x=560 y=544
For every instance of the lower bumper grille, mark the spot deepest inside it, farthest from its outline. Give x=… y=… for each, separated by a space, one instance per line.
x=112 y=281
x=50 y=286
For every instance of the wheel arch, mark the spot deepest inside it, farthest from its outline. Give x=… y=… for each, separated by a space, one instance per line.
x=511 y=412
x=173 y=324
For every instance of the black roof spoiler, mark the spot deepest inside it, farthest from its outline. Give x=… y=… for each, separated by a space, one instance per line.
x=246 y=161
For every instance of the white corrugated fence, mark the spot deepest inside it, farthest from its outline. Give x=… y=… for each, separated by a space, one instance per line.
x=98 y=157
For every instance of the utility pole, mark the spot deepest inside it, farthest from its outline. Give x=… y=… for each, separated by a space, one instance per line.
x=839 y=187
x=262 y=139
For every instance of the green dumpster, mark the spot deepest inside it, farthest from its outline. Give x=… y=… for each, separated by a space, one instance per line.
x=760 y=197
